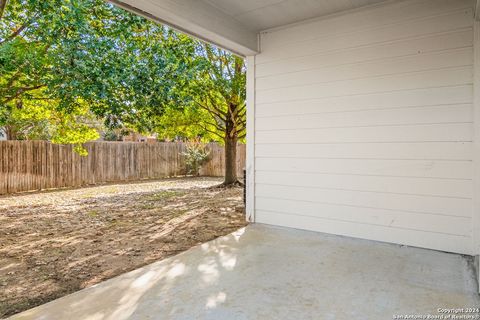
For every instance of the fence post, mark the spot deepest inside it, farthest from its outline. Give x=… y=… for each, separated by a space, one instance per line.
x=244 y=187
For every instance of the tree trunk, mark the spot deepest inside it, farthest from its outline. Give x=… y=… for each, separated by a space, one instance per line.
x=230 y=160
x=10 y=133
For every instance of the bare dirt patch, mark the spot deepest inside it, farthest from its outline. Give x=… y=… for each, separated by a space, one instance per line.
x=55 y=243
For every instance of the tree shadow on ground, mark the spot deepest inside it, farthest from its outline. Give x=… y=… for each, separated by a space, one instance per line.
x=71 y=240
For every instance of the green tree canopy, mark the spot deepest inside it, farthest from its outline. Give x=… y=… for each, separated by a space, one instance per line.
x=65 y=62
x=62 y=55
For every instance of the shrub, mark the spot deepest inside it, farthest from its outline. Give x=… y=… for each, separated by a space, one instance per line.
x=196 y=154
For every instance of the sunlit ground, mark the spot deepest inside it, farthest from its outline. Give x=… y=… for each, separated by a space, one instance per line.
x=55 y=243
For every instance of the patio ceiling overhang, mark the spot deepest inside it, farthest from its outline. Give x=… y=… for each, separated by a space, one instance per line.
x=233 y=24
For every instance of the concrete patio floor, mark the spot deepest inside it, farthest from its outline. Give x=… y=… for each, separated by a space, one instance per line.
x=263 y=272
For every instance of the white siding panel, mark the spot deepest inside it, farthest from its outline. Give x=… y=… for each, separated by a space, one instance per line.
x=364 y=125
x=401 y=168
x=365 y=20
x=378 y=117
x=437 y=24
x=396 y=99
x=425 y=44
x=401 y=185
x=409 y=81
x=389 y=151
x=457 y=207
x=412 y=63
x=406 y=133
x=373 y=216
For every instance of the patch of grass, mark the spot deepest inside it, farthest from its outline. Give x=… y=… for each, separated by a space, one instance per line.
x=119 y=223
x=147 y=206
x=106 y=190
x=178 y=213
x=92 y=213
x=110 y=189
x=87 y=195
x=163 y=195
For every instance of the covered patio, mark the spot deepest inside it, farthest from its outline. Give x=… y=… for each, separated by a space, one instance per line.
x=262 y=272
x=362 y=116
x=363 y=174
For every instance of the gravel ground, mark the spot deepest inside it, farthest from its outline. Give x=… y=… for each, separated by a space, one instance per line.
x=54 y=243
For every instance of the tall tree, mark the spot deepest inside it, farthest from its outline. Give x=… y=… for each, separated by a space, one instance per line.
x=221 y=93
x=212 y=104
x=32 y=39
x=63 y=56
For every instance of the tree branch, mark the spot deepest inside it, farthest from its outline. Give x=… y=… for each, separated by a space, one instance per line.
x=216 y=112
x=238 y=109
x=15 y=33
x=22 y=90
x=3 y=5
x=216 y=125
x=227 y=65
x=19 y=30
x=243 y=112
x=14 y=77
x=212 y=132
x=242 y=123
x=233 y=115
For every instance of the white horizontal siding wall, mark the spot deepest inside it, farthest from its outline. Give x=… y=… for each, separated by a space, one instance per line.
x=363 y=124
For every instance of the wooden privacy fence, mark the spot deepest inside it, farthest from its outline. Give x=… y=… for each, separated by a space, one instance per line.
x=37 y=165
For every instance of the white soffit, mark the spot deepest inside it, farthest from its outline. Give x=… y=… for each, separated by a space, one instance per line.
x=235 y=24
x=266 y=14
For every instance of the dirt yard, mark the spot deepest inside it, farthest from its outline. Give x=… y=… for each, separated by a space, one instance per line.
x=55 y=243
